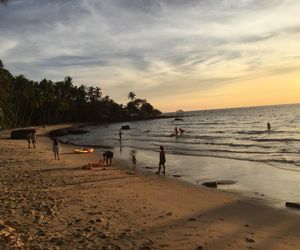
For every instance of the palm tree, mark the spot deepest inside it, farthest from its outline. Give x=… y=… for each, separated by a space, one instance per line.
x=6 y=81
x=131 y=95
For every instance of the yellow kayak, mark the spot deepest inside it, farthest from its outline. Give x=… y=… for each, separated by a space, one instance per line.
x=84 y=151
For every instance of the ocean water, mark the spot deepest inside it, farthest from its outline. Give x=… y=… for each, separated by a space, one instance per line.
x=239 y=133
x=225 y=144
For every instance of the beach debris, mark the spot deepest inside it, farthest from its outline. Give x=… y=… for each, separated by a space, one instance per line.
x=177 y=175
x=9 y=236
x=292 y=204
x=178 y=119
x=249 y=240
x=226 y=182
x=211 y=184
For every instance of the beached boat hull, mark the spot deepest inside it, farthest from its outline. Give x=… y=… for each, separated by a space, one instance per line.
x=82 y=151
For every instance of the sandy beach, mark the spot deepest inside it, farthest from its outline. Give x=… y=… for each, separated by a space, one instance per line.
x=49 y=204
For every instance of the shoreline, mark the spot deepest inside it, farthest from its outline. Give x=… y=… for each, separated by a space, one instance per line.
x=258 y=187
x=74 y=208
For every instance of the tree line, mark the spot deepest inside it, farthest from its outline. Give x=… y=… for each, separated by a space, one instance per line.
x=24 y=102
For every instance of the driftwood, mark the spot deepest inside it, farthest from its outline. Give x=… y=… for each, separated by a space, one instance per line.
x=292 y=205
x=212 y=184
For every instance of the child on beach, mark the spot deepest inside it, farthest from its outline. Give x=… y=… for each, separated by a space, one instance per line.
x=133 y=160
x=56 y=148
x=162 y=160
x=28 y=141
x=33 y=140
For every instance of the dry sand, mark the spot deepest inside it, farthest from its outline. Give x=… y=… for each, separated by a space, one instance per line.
x=49 y=204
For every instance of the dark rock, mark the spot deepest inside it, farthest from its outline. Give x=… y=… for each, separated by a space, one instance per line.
x=22 y=134
x=58 y=132
x=77 y=131
x=226 y=182
x=212 y=184
x=199 y=248
x=249 y=240
x=125 y=127
x=176 y=175
x=292 y=205
x=178 y=119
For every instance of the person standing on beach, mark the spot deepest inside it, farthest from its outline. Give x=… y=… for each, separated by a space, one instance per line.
x=120 y=134
x=133 y=160
x=269 y=126
x=33 y=140
x=176 y=131
x=56 y=148
x=28 y=141
x=107 y=157
x=162 y=160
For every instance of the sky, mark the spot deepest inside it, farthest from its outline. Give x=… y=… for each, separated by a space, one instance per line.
x=178 y=54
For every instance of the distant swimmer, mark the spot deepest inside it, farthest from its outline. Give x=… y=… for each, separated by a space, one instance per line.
x=133 y=160
x=181 y=131
x=176 y=131
x=162 y=160
x=107 y=157
x=269 y=126
x=120 y=134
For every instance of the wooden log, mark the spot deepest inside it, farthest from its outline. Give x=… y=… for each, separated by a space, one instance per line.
x=211 y=184
x=292 y=205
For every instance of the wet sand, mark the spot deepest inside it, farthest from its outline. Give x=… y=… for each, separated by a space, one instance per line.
x=49 y=204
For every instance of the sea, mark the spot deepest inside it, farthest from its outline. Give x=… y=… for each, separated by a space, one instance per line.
x=229 y=144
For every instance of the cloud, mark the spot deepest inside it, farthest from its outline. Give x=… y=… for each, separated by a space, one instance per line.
x=151 y=45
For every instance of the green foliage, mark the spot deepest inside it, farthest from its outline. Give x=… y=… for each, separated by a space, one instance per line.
x=24 y=102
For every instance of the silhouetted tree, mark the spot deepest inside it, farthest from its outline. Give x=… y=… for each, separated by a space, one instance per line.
x=131 y=95
x=24 y=102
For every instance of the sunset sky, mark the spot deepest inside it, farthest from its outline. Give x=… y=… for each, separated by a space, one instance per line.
x=178 y=54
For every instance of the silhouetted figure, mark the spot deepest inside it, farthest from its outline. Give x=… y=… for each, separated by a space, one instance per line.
x=133 y=160
x=107 y=157
x=269 y=126
x=162 y=160
x=176 y=131
x=33 y=140
x=29 y=141
x=56 y=148
x=180 y=130
x=120 y=134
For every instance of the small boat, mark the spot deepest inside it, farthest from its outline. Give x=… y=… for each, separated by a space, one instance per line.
x=84 y=151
